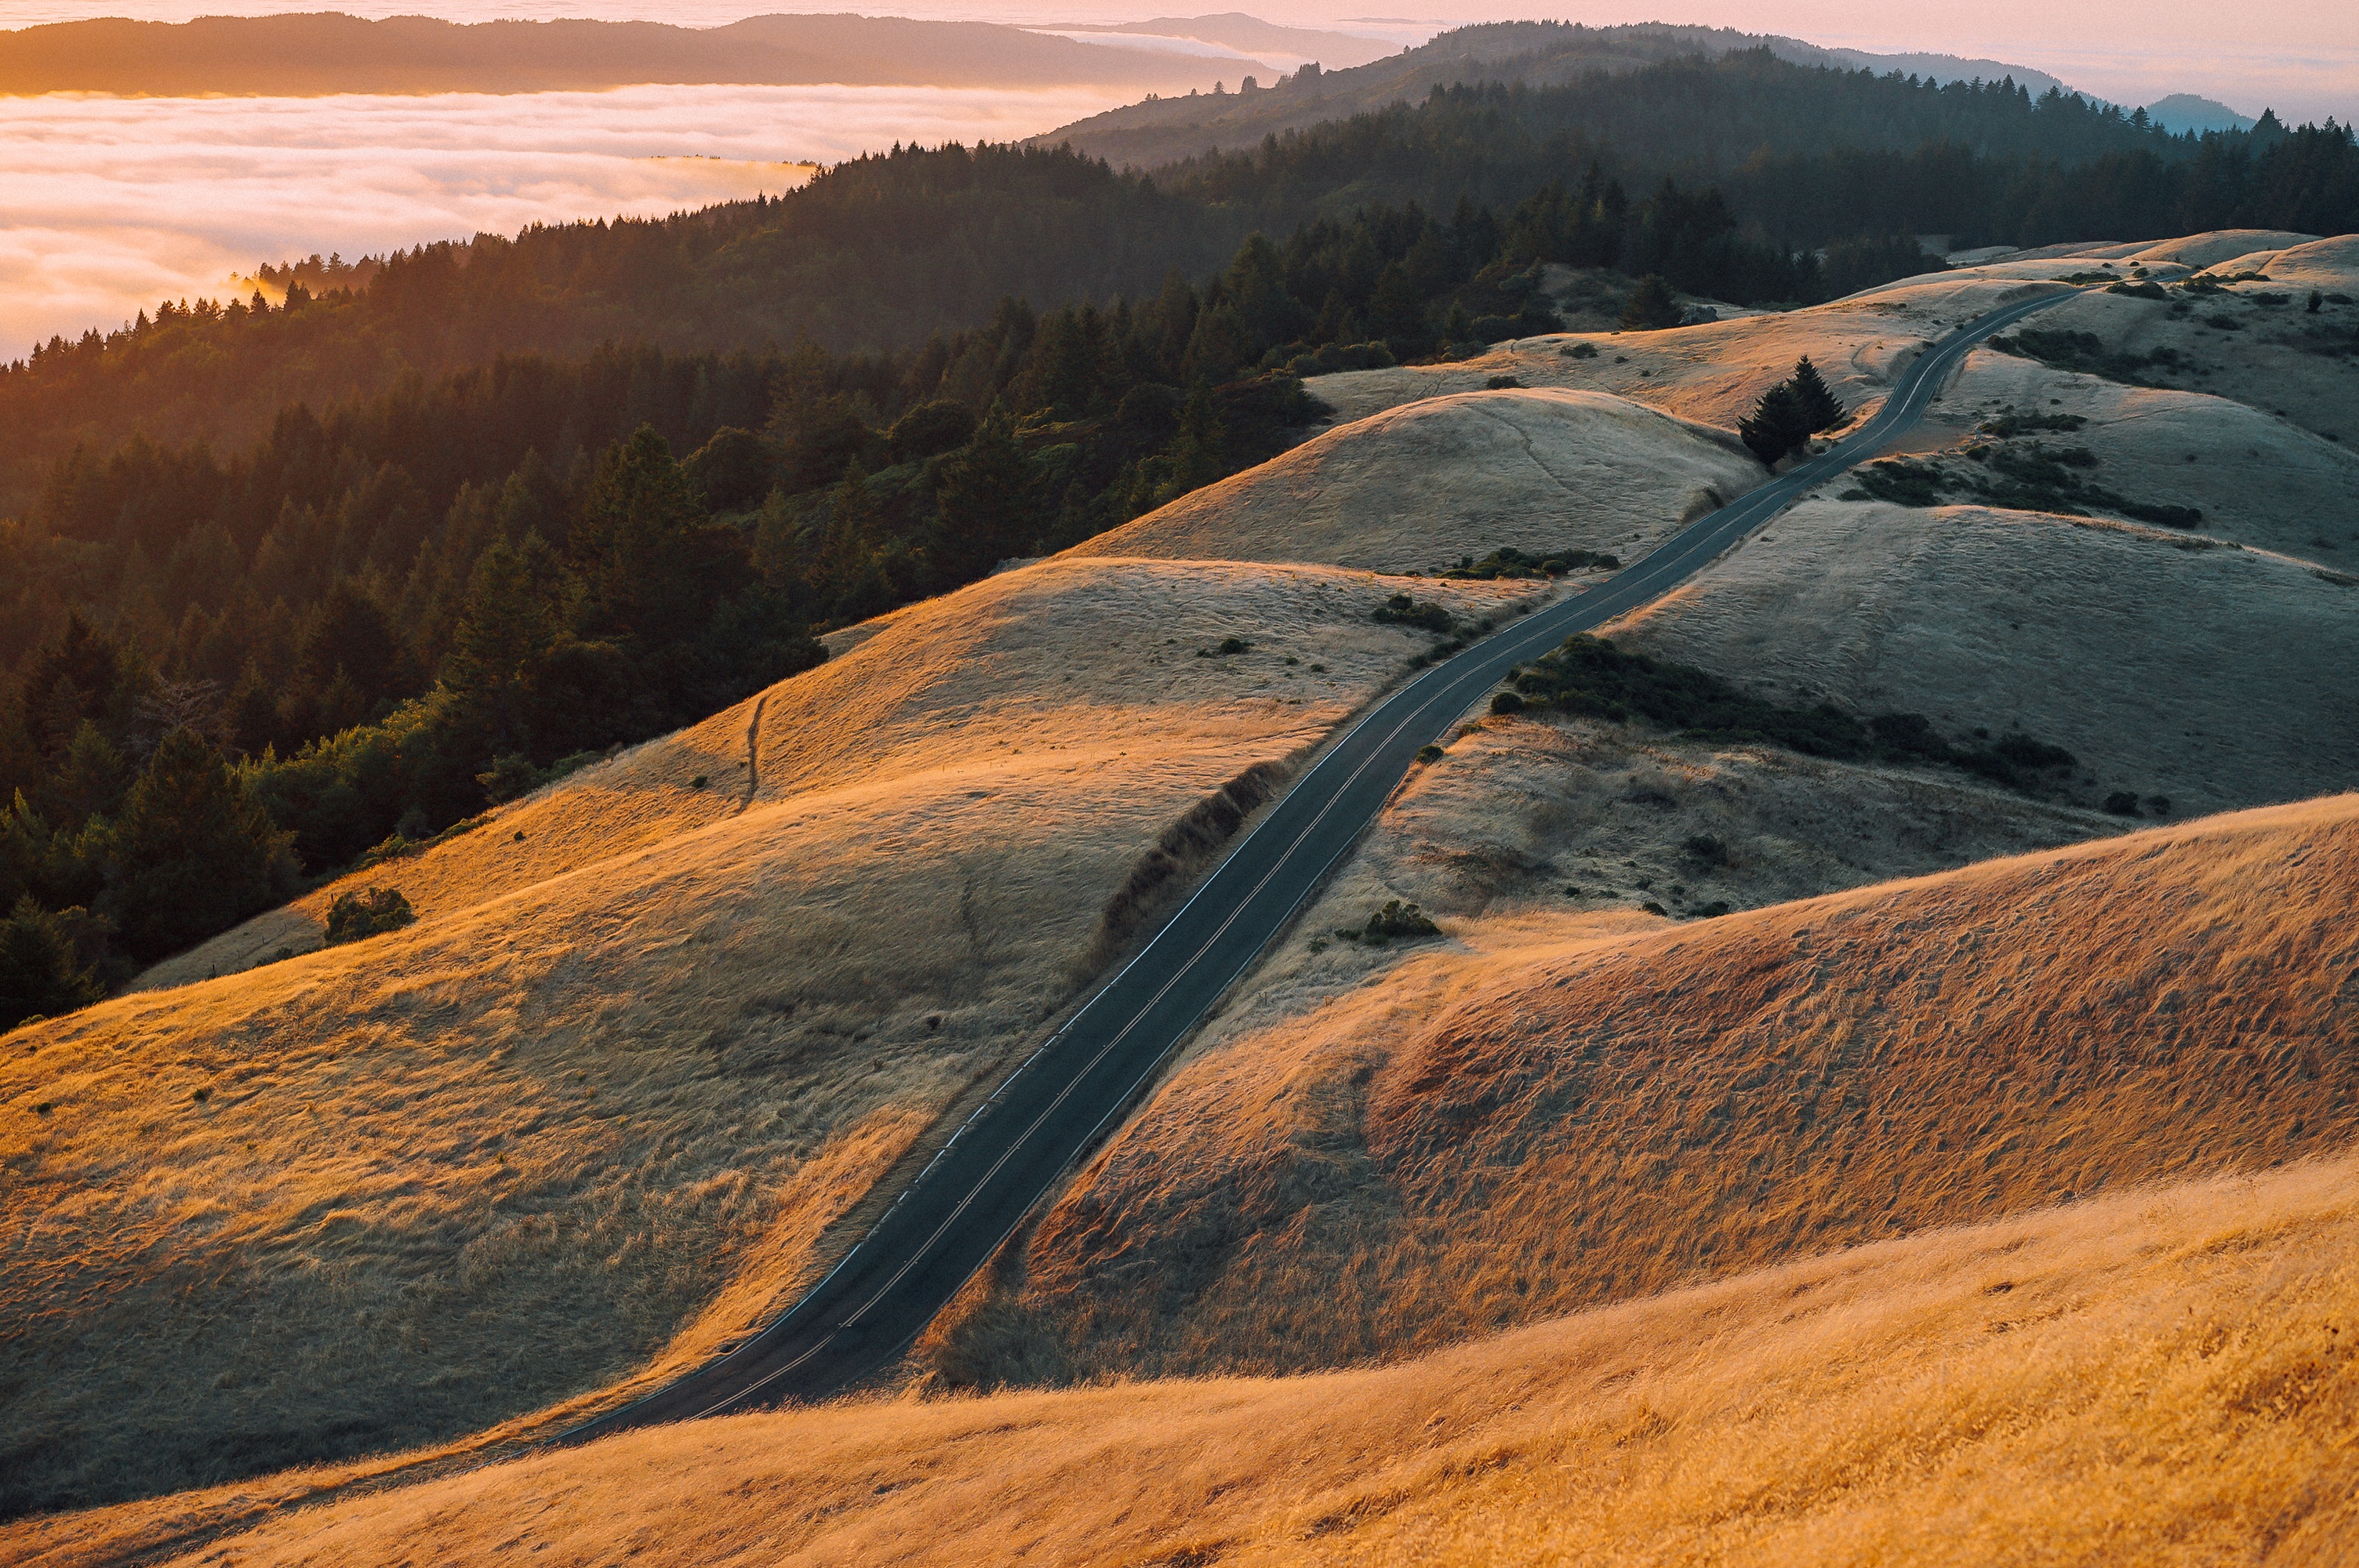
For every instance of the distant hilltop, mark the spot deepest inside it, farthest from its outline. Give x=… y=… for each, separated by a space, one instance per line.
x=1536 y=54
x=296 y=56
x=2184 y=111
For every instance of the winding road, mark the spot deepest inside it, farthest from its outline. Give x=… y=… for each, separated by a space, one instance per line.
x=1013 y=1149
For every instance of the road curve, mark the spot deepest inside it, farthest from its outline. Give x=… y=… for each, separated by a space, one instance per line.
x=947 y=1221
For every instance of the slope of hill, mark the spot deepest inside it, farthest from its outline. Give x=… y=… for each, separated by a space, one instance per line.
x=296 y=56
x=656 y=1028
x=2177 y=667
x=2162 y=1377
x=1536 y=471
x=1486 y=1138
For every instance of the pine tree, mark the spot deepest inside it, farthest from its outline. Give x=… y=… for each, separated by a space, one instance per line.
x=979 y=500
x=41 y=975
x=192 y=853
x=1775 y=425
x=1818 y=405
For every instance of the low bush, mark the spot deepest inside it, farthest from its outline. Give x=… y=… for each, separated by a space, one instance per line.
x=2083 y=352
x=1580 y=352
x=371 y=912
x=1502 y=383
x=1395 y=919
x=1504 y=702
x=2010 y=423
x=1709 y=849
x=1589 y=676
x=1400 y=610
x=2122 y=803
x=1897 y=479
x=1509 y=562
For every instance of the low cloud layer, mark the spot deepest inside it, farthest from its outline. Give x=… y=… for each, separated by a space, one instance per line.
x=112 y=204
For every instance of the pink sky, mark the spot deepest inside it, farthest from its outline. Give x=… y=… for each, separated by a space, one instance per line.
x=2301 y=56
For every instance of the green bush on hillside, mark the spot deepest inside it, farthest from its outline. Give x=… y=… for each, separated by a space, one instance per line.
x=370 y=912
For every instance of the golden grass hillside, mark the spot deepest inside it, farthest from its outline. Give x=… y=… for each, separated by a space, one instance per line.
x=596 y=1112
x=2258 y=479
x=2252 y=341
x=2159 y=1378
x=1713 y=374
x=2167 y=666
x=1417 y=487
x=1492 y=1136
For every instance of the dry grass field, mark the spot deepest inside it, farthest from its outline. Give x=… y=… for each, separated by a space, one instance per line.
x=2169 y=669
x=1514 y=1124
x=596 y=1112
x=2164 y=1376
x=1414 y=488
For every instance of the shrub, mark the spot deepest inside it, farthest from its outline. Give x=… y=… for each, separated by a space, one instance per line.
x=1580 y=352
x=372 y=912
x=1509 y=562
x=1900 y=481
x=1708 y=848
x=1507 y=702
x=1234 y=645
x=511 y=775
x=1502 y=383
x=1590 y=676
x=1400 y=610
x=1428 y=753
x=1395 y=919
x=2122 y=803
x=2010 y=423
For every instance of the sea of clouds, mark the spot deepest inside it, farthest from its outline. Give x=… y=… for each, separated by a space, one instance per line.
x=112 y=204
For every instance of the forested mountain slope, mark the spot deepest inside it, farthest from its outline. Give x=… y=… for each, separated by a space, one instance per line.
x=1161 y=131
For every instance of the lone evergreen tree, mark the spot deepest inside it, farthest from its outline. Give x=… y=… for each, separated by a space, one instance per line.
x=1774 y=428
x=1651 y=305
x=1817 y=405
x=1790 y=414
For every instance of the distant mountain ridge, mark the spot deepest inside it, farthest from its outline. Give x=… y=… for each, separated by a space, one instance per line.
x=331 y=52
x=1538 y=54
x=2183 y=112
x=1252 y=36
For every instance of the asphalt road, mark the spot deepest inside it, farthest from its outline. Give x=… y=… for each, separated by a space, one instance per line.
x=948 y=1222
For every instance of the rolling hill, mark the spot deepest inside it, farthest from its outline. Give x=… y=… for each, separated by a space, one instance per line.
x=1769 y=1153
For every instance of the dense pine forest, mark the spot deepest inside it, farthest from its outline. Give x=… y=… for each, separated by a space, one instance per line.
x=472 y=514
